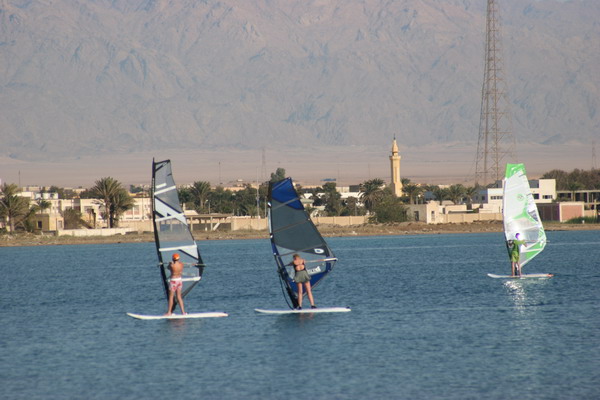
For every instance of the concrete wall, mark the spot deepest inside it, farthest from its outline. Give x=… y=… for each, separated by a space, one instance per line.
x=590 y=214
x=549 y=212
x=570 y=210
x=94 y=232
x=470 y=217
x=139 y=226
x=562 y=211
x=249 y=224
x=341 y=221
x=262 y=224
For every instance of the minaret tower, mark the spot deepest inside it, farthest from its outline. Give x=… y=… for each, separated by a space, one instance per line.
x=395 y=165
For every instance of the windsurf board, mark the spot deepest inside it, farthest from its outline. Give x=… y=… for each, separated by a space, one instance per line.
x=523 y=276
x=180 y=316
x=305 y=310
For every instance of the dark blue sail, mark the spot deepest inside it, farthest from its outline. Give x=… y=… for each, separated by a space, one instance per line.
x=171 y=231
x=293 y=232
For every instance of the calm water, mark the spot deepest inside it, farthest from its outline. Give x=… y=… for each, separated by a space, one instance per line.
x=426 y=323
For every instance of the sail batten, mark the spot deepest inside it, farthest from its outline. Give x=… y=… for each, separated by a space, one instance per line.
x=180 y=248
x=293 y=232
x=285 y=204
x=179 y=217
x=171 y=231
x=520 y=213
x=166 y=190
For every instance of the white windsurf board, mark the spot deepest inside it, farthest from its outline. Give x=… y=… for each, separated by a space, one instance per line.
x=523 y=276
x=305 y=310
x=180 y=316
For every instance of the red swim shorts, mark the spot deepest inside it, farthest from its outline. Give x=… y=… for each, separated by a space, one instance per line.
x=175 y=284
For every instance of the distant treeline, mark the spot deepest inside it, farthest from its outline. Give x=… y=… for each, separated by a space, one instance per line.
x=577 y=179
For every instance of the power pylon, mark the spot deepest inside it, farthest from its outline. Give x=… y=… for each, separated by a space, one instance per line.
x=263 y=169
x=593 y=154
x=496 y=143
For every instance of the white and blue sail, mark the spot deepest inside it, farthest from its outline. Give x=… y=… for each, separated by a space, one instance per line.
x=292 y=232
x=520 y=214
x=171 y=231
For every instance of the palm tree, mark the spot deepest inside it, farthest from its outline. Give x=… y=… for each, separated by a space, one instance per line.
x=371 y=193
x=72 y=218
x=12 y=206
x=106 y=189
x=278 y=175
x=572 y=187
x=470 y=192
x=332 y=199
x=248 y=209
x=199 y=192
x=42 y=205
x=412 y=191
x=439 y=193
x=456 y=193
x=28 y=221
x=121 y=202
x=351 y=207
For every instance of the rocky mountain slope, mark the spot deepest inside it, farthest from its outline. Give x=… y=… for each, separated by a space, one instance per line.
x=80 y=77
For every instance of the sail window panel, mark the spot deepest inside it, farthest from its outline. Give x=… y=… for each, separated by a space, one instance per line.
x=187 y=254
x=286 y=216
x=299 y=237
x=173 y=231
x=164 y=179
x=172 y=199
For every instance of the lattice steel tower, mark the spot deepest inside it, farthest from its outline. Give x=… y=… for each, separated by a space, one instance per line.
x=496 y=143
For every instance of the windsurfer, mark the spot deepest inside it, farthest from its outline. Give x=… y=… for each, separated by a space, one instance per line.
x=302 y=280
x=514 y=247
x=175 y=284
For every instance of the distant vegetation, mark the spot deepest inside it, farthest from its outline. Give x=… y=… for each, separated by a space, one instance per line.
x=577 y=179
x=583 y=220
x=17 y=211
x=14 y=209
x=374 y=199
x=115 y=199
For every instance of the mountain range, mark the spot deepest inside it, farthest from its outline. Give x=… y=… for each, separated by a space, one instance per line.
x=85 y=77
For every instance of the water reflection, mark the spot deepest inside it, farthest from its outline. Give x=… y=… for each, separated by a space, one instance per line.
x=516 y=290
x=176 y=326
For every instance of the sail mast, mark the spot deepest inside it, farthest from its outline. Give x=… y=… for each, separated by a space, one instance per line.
x=156 y=237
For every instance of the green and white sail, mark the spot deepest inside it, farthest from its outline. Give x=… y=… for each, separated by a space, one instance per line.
x=521 y=214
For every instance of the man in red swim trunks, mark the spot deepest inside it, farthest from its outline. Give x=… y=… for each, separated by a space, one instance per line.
x=175 y=284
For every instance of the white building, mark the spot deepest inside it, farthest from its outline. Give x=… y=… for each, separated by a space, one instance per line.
x=542 y=190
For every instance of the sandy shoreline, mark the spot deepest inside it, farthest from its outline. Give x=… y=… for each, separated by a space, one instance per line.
x=407 y=228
